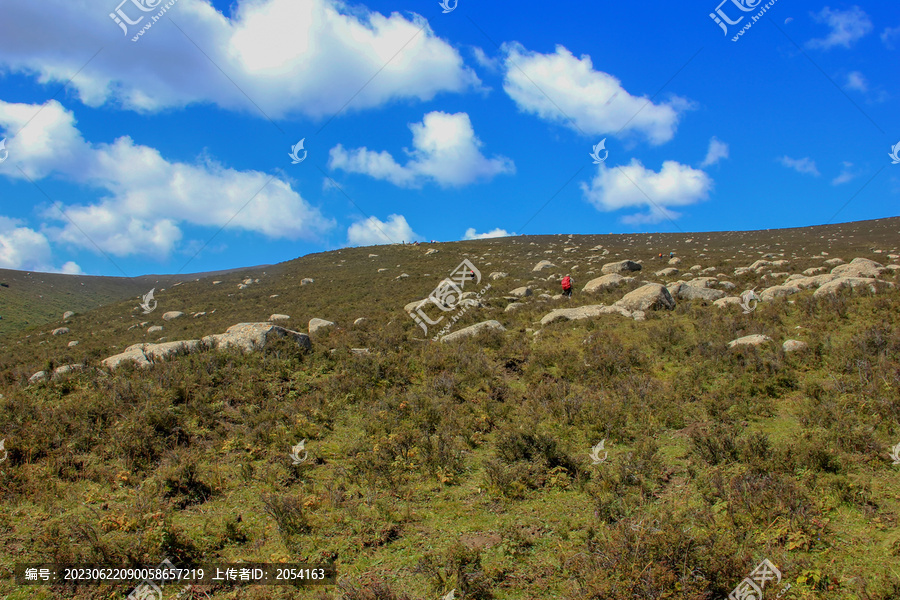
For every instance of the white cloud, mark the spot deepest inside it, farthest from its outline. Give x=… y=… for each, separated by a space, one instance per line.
x=857 y=81
x=889 y=35
x=635 y=186
x=717 y=151
x=846 y=175
x=496 y=233
x=445 y=150
x=146 y=198
x=561 y=88
x=290 y=57
x=806 y=166
x=25 y=249
x=847 y=26
x=372 y=231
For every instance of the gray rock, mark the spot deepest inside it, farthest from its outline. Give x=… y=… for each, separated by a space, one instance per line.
x=831 y=288
x=62 y=370
x=750 y=340
x=544 y=264
x=72 y=344
x=727 y=301
x=622 y=266
x=583 y=312
x=691 y=292
x=472 y=330
x=60 y=331
x=668 y=272
x=252 y=336
x=859 y=267
x=652 y=296
x=513 y=306
x=674 y=261
x=68 y=314
x=317 y=325
x=155 y=329
x=172 y=314
x=306 y=281
x=794 y=346
x=606 y=282
x=521 y=292
x=39 y=376
x=497 y=275
x=279 y=317
x=432 y=251
x=359 y=321
x=813 y=281
x=778 y=291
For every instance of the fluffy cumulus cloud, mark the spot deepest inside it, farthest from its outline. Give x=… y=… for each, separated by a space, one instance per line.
x=445 y=151
x=847 y=174
x=290 y=57
x=635 y=186
x=373 y=231
x=847 y=26
x=857 y=81
x=145 y=197
x=471 y=234
x=562 y=88
x=25 y=249
x=717 y=151
x=805 y=166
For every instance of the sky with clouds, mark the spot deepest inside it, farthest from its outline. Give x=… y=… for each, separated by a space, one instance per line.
x=163 y=136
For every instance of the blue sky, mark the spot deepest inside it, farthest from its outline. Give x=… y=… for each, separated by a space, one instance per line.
x=171 y=153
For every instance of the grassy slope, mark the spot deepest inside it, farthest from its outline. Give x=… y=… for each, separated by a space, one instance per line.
x=466 y=466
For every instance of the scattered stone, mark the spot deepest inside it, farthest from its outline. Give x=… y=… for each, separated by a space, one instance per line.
x=582 y=312
x=432 y=251
x=685 y=291
x=216 y=282
x=859 y=267
x=401 y=276
x=68 y=314
x=666 y=272
x=472 y=330
x=777 y=291
x=727 y=301
x=199 y=314
x=544 y=264
x=316 y=325
x=60 y=331
x=622 y=266
x=362 y=351
x=62 y=370
x=359 y=321
x=813 y=281
x=513 y=306
x=497 y=275
x=750 y=340
x=794 y=346
x=652 y=296
x=173 y=314
x=306 y=281
x=72 y=344
x=521 y=292
x=606 y=282
x=155 y=329
x=251 y=336
x=834 y=262
x=39 y=376
x=278 y=317
x=831 y=288
x=674 y=261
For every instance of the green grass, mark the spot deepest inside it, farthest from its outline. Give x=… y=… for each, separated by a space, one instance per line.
x=437 y=466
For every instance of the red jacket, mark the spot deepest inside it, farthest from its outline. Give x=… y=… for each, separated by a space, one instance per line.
x=566 y=283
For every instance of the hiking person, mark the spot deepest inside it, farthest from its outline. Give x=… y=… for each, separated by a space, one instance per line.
x=567 y=286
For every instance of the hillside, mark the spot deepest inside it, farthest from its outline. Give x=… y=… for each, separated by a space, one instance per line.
x=466 y=464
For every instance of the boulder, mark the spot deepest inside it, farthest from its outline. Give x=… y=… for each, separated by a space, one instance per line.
x=702 y=282
x=317 y=325
x=668 y=272
x=306 y=281
x=831 y=262
x=582 y=312
x=472 y=330
x=831 y=288
x=750 y=340
x=759 y=265
x=278 y=317
x=727 y=301
x=794 y=345
x=497 y=275
x=60 y=331
x=813 y=281
x=674 y=261
x=622 y=266
x=544 y=264
x=521 y=292
x=513 y=306
x=62 y=370
x=362 y=351
x=432 y=251
x=686 y=291
x=39 y=376
x=251 y=336
x=72 y=344
x=68 y=314
x=154 y=329
x=172 y=314
x=859 y=267
x=606 y=282
x=777 y=291
x=814 y=271
x=652 y=296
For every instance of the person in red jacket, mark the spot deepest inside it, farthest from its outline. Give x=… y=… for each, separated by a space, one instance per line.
x=567 y=286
